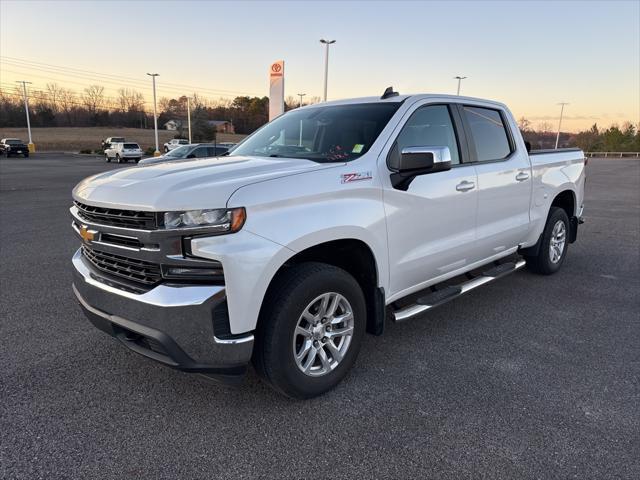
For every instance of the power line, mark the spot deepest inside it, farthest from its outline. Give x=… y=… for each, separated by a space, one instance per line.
x=43 y=96
x=104 y=76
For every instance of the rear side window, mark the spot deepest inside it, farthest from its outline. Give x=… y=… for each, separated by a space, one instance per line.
x=200 y=152
x=489 y=133
x=215 y=151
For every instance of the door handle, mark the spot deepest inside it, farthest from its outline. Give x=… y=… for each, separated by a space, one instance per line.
x=522 y=176
x=465 y=186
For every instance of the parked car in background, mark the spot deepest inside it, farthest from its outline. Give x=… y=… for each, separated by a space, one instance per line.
x=106 y=143
x=228 y=145
x=175 y=143
x=13 y=146
x=123 y=152
x=195 y=150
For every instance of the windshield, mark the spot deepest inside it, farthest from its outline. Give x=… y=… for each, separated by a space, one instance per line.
x=179 y=152
x=338 y=133
x=14 y=142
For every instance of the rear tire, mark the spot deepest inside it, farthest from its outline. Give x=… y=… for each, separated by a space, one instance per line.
x=26 y=155
x=118 y=159
x=107 y=158
x=554 y=244
x=310 y=330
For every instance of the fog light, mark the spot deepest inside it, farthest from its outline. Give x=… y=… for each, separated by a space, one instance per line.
x=211 y=274
x=194 y=272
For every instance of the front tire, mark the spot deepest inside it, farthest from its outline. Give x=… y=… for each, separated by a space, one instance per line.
x=118 y=159
x=310 y=330
x=553 y=245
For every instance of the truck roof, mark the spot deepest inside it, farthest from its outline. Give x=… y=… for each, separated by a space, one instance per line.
x=402 y=98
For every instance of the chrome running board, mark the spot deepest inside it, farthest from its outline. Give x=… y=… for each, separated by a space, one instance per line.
x=446 y=294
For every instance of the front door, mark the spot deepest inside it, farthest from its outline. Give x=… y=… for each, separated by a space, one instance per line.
x=431 y=225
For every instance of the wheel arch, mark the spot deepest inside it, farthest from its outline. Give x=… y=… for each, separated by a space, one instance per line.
x=566 y=199
x=357 y=258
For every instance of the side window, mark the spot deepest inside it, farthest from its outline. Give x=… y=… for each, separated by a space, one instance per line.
x=430 y=126
x=200 y=152
x=215 y=151
x=489 y=133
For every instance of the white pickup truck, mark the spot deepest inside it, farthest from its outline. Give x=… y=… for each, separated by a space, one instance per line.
x=323 y=225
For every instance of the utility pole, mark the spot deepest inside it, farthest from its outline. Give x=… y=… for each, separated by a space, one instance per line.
x=326 y=63
x=32 y=147
x=562 y=104
x=301 y=95
x=459 y=78
x=189 y=117
x=155 y=113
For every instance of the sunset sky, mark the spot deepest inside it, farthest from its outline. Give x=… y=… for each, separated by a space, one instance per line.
x=530 y=55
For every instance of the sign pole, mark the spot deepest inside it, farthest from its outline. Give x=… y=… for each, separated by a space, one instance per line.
x=276 y=89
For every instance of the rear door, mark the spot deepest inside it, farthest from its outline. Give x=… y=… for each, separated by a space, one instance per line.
x=504 y=179
x=431 y=224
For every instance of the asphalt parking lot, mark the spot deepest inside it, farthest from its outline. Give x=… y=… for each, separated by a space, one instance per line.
x=529 y=377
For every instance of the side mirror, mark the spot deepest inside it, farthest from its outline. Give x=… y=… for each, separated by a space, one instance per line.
x=414 y=161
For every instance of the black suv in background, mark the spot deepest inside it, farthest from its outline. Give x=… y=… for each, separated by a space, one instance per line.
x=13 y=146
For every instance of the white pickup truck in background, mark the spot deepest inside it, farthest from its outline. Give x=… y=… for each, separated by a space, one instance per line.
x=321 y=226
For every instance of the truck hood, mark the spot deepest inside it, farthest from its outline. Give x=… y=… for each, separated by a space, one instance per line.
x=188 y=185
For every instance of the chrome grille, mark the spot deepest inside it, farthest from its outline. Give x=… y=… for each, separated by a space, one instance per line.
x=138 y=271
x=116 y=217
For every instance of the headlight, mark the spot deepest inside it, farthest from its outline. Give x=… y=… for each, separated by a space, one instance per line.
x=220 y=220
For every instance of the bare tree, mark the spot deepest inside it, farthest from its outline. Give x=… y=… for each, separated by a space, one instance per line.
x=130 y=100
x=68 y=100
x=53 y=97
x=544 y=127
x=93 y=98
x=524 y=125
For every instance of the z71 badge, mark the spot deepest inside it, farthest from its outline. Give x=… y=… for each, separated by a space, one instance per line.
x=355 y=177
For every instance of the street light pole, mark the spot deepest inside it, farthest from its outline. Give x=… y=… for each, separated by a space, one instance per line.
x=26 y=110
x=326 y=63
x=189 y=117
x=155 y=113
x=459 y=78
x=301 y=95
x=562 y=104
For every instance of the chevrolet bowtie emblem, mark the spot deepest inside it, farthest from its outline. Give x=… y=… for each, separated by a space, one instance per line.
x=86 y=234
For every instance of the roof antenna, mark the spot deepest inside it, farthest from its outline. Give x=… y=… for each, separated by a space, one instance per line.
x=388 y=93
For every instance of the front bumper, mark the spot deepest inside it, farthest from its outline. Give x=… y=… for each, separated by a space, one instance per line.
x=172 y=324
